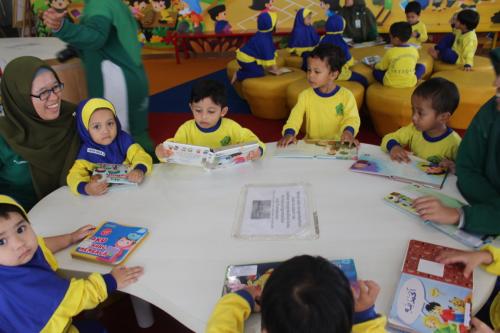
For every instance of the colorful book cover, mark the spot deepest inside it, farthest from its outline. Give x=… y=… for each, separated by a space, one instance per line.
x=321 y=149
x=431 y=297
x=240 y=276
x=186 y=154
x=111 y=243
x=403 y=200
x=417 y=171
x=229 y=156
x=115 y=174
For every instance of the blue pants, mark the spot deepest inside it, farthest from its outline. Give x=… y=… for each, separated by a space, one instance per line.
x=249 y=70
x=356 y=77
x=379 y=74
x=89 y=326
x=446 y=54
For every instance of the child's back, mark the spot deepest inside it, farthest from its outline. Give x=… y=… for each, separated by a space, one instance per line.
x=304 y=37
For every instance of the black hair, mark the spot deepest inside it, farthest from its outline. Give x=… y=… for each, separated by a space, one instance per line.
x=401 y=30
x=334 y=4
x=469 y=18
x=413 y=7
x=431 y=306
x=307 y=294
x=209 y=88
x=215 y=11
x=331 y=54
x=443 y=94
x=259 y=4
x=6 y=209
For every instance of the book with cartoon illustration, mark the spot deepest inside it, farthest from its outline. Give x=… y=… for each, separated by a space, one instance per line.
x=111 y=243
x=431 y=297
x=113 y=174
x=321 y=149
x=186 y=154
x=417 y=171
x=403 y=200
x=241 y=276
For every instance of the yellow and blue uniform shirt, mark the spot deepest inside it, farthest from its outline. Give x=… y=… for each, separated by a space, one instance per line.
x=421 y=30
x=122 y=150
x=303 y=37
x=327 y=116
x=465 y=45
x=399 y=63
x=433 y=149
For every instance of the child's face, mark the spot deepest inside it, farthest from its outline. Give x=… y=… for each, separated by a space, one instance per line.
x=18 y=241
x=221 y=16
x=308 y=19
x=424 y=117
x=412 y=18
x=206 y=113
x=102 y=127
x=319 y=74
x=460 y=26
x=395 y=40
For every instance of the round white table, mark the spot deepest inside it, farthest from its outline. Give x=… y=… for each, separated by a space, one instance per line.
x=190 y=213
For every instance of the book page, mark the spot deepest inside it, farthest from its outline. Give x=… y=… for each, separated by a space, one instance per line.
x=186 y=154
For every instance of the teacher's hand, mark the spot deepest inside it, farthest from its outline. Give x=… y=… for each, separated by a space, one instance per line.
x=52 y=19
x=431 y=209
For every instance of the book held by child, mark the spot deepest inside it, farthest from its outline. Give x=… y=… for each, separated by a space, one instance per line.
x=321 y=149
x=115 y=174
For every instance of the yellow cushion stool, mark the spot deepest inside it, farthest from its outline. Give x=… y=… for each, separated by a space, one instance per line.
x=481 y=64
x=290 y=60
x=475 y=89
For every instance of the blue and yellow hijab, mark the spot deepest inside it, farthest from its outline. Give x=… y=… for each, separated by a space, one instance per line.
x=334 y=27
x=115 y=152
x=303 y=35
x=30 y=293
x=261 y=45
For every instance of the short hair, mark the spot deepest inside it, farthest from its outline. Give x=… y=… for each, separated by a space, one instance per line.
x=469 y=18
x=444 y=94
x=331 y=54
x=334 y=4
x=215 y=11
x=6 y=209
x=431 y=306
x=307 y=294
x=401 y=30
x=413 y=7
x=209 y=88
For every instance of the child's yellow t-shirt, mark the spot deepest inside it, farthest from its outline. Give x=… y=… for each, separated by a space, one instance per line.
x=465 y=45
x=399 y=63
x=420 y=28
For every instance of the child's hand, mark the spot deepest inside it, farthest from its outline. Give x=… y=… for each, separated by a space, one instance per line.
x=81 y=233
x=479 y=327
x=415 y=34
x=125 y=276
x=448 y=164
x=431 y=209
x=96 y=186
x=136 y=176
x=162 y=152
x=256 y=293
x=368 y=292
x=398 y=154
x=471 y=259
x=348 y=137
x=286 y=140
x=254 y=155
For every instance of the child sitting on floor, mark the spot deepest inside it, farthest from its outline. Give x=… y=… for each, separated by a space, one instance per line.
x=304 y=294
x=303 y=37
x=330 y=110
x=419 y=31
x=398 y=68
x=209 y=128
x=428 y=136
x=33 y=297
x=103 y=141
x=464 y=46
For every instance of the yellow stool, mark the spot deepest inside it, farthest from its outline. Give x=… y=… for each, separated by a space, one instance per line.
x=389 y=108
x=481 y=64
x=294 y=89
x=475 y=88
x=290 y=60
x=267 y=95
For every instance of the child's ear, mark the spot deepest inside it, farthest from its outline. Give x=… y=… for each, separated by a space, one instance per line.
x=444 y=117
x=224 y=111
x=335 y=74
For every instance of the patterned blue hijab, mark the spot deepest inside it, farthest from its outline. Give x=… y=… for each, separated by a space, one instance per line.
x=115 y=152
x=261 y=45
x=303 y=35
x=334 y=27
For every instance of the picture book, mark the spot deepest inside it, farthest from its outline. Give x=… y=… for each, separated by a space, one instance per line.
x=403 y=200
x=280 y=71
x=186 y=154
x=115 y=174
x=431 y=297
x=322 y=149
x=111 y=243
x=371 y=60
x=417 y=171
x=241 y=276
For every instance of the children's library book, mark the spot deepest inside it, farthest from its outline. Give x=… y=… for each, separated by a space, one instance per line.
x=321 y=149
x=371 y=60
x=111 y=243
x=280 y=71
x=417 y=171
x=115 y=174
x=431 y=297
x=209 y=158
x=240 y=276
x=403 y=200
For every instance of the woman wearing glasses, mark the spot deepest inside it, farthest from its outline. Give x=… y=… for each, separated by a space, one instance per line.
x=38 y=138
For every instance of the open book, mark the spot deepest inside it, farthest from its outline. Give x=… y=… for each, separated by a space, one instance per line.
x=403 y=200
x=371 y=60
x=417 y=171
x=431 y=297
x=323 y=149
x=113 y=174
x=280 y=71
x=111 y=243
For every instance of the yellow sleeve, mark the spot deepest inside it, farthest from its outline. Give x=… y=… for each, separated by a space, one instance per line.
x=296 y=116
x=247 y=135
x=402 y=136
x=423 y=33
x=469 y=49
x=79 y=172
x=229 y=315
x=137 y=155
x=49 y=256
x=494 y=267
x=385 y=62
x=351 y=114
x=181 y=135
x=376 y=325
x=268 y=63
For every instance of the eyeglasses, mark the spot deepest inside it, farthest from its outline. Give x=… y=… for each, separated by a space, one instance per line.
x=44 y=95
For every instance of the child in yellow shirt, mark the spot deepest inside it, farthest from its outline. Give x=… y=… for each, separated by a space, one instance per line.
x=210 y=128
x=428 y=136
x=330 y=110
x=419 y=31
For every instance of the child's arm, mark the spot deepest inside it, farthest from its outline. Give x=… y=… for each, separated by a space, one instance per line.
x=394 y=142
x=247 y=135
x=80 y=181
x=384 y=63
x=350 y=122
x=479 y=327
x=472 y=259
x=58 y=243
x=140 y=161
x=181 y=136
x=422 y=30
x=294 y=122
x=469 y=50
x=366 y=318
